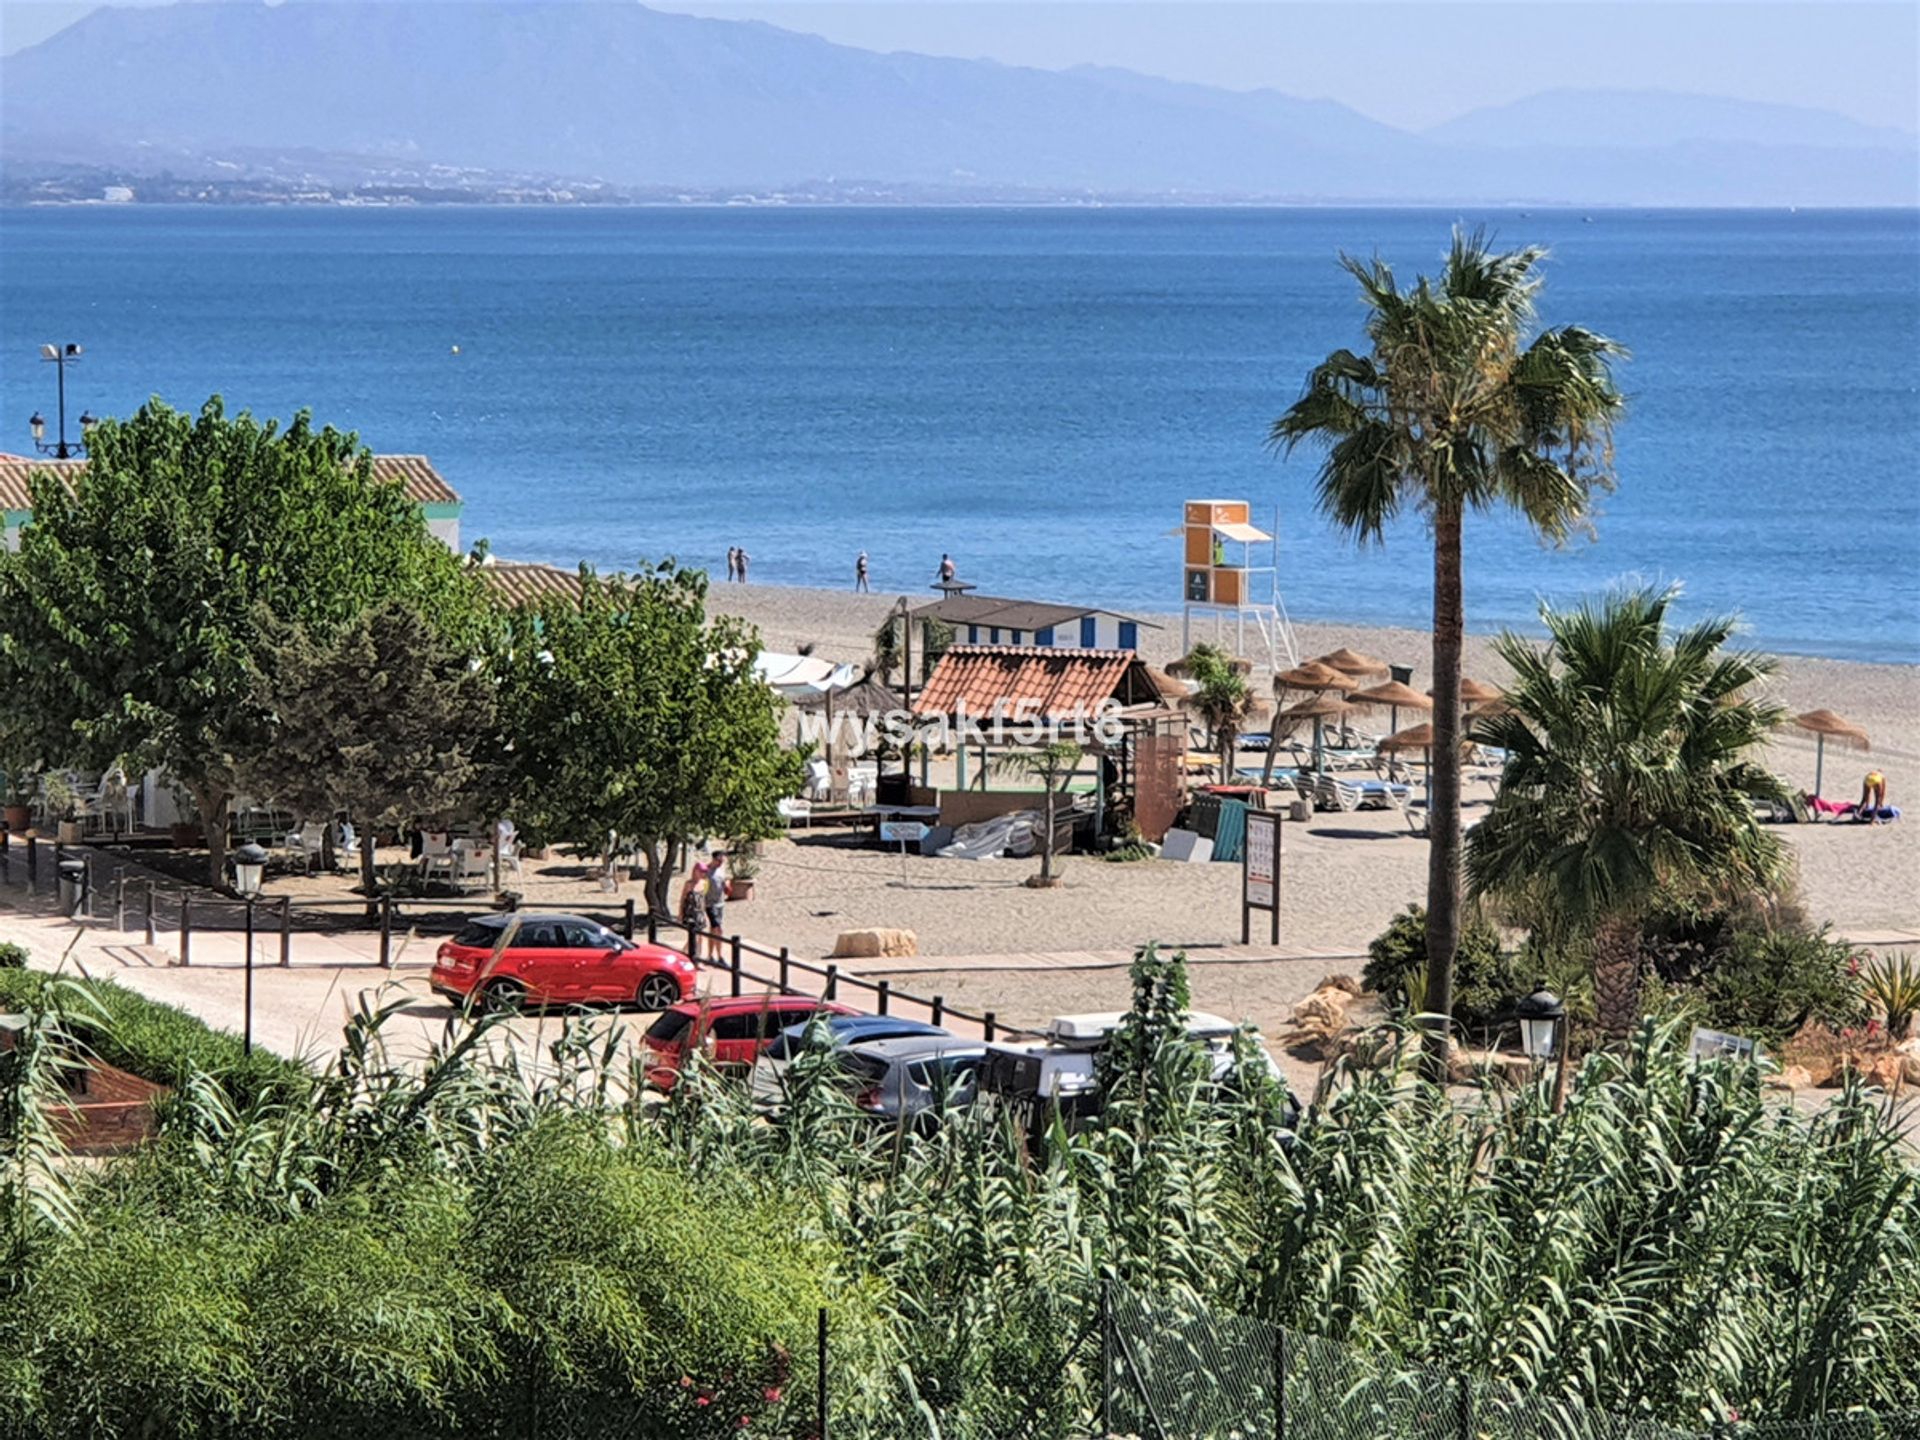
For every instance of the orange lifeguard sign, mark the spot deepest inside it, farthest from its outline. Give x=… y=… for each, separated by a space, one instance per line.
x=1219 y=573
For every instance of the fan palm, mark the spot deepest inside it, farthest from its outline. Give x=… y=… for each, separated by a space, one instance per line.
x=1224 y=699
x=1629 y=778
x=1452 y=409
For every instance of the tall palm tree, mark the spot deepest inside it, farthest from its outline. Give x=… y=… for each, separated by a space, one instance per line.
x=1629 y=778
x=1454 y=409
x=1223 y=700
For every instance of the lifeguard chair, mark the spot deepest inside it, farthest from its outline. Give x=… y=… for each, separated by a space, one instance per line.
x=1231 y=569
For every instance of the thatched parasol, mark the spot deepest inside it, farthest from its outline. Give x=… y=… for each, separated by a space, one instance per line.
x=1420 y=737
x=1352 y=662
x=1395 y=697
x=1319 y=709
x=1472 y=692
x=1313 y=676
x=1824 y=725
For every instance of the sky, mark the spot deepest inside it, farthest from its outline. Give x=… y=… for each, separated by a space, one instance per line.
x=1411 y=63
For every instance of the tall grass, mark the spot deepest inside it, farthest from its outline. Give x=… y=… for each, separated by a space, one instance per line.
x=484 y=1243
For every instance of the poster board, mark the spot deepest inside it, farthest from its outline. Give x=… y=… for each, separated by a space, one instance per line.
x=1260 y=874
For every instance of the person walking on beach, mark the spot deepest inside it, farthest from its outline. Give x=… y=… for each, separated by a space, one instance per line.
x=740 y=562
x=860 y=586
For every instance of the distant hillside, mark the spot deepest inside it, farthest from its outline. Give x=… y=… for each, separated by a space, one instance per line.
x=640 y=98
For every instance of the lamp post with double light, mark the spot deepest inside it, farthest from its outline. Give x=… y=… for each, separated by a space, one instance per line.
x=249 y=866
x=1543 y=1036
x=60 y=356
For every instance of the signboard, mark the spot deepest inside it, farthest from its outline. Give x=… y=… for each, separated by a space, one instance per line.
x=1718 y=1045
x=1260 y=874
x=902 y=830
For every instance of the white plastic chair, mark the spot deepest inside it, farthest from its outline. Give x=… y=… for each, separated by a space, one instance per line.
x=435 y=854
x=863 y=782
x=471 y=861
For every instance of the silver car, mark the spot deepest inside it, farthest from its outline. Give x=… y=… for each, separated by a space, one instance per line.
x=912 y=1075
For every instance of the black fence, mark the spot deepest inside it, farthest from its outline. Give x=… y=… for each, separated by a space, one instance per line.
x=107 y=887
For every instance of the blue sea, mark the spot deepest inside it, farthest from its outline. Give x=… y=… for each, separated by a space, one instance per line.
x=1035 y=391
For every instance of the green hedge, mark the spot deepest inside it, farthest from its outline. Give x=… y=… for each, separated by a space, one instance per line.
x=159 y=1042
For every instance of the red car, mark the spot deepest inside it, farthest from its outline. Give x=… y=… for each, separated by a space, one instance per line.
x=558 y=959
x=733 y=1029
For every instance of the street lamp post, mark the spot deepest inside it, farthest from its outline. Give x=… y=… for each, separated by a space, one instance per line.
x=249 y=864
x=1543 y=1035
x=60 y=356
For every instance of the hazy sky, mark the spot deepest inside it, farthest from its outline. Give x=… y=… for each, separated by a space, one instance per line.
x=1408 y=62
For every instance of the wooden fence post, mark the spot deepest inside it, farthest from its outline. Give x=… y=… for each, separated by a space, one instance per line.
x=785 y=964
x=883 y=994
x=386 y=931
x=986 y=1024
x=626 y=928
x=186 y=927
x=821 y=1416
x=939 y=1009
x=33 y=863
x=149 y=909
x=286 y=931
x=733 y=960
x=831 y=990
x=119 y=897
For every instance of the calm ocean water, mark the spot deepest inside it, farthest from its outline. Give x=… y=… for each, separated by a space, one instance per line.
x=1035 y=391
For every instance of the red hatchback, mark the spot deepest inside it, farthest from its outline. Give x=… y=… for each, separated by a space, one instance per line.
x=558 y=959
x=733 y=1030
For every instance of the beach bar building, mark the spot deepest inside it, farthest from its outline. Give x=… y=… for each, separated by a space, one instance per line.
x=440 y=504
x=991 y=620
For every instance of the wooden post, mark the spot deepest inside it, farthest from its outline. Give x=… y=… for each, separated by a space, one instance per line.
x=149 y=908
x=653 y=928
x=820 y=1398
x=882 y=996
x=733 y=960
x=1106 y=1361
x=119 y=897
x=986 y=1024
x=785 y=963
x=939 y=1009
x=186 y=927
x=33 y=863
x=386 y=931
x=286 y=931
x=831 y=989
x=626 y=926
x=1279 y=1382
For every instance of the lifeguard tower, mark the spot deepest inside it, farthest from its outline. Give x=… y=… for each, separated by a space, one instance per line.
x=1231 y=569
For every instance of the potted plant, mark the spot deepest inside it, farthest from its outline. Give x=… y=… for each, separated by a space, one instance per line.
x=744 y=867
x=63 y=804
x=17 y=760
x=185 y=832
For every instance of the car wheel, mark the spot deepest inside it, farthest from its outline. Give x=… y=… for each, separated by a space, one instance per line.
x=506 y=995
x=657 y=992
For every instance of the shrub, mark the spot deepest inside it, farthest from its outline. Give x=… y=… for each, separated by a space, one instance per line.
x=13 y=957
x=1756 y=975
x=1486 y=979
x=160 y=1042
x=1893 y=983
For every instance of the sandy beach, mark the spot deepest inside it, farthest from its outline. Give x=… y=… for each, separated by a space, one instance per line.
x=1344 y=875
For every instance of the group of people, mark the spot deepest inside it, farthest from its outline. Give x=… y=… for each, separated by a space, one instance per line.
x=737 y=559
x=703 y=905
x=862 y=584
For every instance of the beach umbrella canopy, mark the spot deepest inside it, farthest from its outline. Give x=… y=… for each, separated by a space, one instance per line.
x=1472 y=692
x=1396 y=697
x=1420 y=737
x=1824 y=725
x=1313 y=676
x=1318 y=709
x=1352 y=662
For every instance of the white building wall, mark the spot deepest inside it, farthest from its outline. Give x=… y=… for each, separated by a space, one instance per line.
x=447 y=532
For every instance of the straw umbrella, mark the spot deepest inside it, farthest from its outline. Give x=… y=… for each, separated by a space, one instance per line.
x=1472 y=692
x=1395 y=697
x=1314 y=675
x=1824 y=725
x=1420 y=737
x=1319 y=709
x=1352 y=662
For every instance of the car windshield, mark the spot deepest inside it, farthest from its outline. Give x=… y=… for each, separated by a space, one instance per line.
x=477 y=935
x=668 y=1029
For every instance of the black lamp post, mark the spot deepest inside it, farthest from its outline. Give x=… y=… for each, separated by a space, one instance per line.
x=1543 y=1035
x=249 y=865
x=59 y=356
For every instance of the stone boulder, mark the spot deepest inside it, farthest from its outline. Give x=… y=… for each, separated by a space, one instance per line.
x=1792 y=1077
x=878 y=943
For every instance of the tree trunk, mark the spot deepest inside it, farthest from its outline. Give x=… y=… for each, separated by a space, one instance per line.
x=212 y=803
x=1046 y=838
x=1616 y=976
x=368 y=880
x=1443 y=859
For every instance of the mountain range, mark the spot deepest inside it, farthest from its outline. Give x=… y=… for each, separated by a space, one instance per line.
x=635 y=97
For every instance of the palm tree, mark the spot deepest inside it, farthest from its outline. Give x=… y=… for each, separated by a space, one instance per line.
x=1224 y=699
x=1452 y=409
x=1629 y=779
x=1052 y=765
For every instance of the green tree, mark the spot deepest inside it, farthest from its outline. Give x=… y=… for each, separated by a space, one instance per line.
x=384 y=720
x=632 y=717
x=1452 y=409
x=1224 y=700
x=1629 y=781
x=1052 y=765
x=144 y=602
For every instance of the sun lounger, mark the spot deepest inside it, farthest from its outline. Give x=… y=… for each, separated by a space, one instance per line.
x=1334 y=793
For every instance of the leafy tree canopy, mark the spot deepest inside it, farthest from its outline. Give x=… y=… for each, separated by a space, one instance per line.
x=633 y=717
x=146 y=600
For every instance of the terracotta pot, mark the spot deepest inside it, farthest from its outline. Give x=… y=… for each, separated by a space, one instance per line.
x=18 y=818
x=738 y=889
x=72 y=832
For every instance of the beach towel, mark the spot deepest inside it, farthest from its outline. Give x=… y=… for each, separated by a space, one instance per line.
x=1824 y=809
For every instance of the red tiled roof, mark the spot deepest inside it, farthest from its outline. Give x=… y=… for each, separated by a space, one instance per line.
x=1037 y=680
x=525 y=582
x=424 y=484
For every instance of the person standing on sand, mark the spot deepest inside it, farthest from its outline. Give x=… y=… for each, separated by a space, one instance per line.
x=740 y=562
x=860 y=586
x=733 y=563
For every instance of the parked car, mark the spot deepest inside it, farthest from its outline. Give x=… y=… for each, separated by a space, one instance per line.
x=769 y=1071
x=912 y=1076
x=558 y=959
x=732 y=1029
